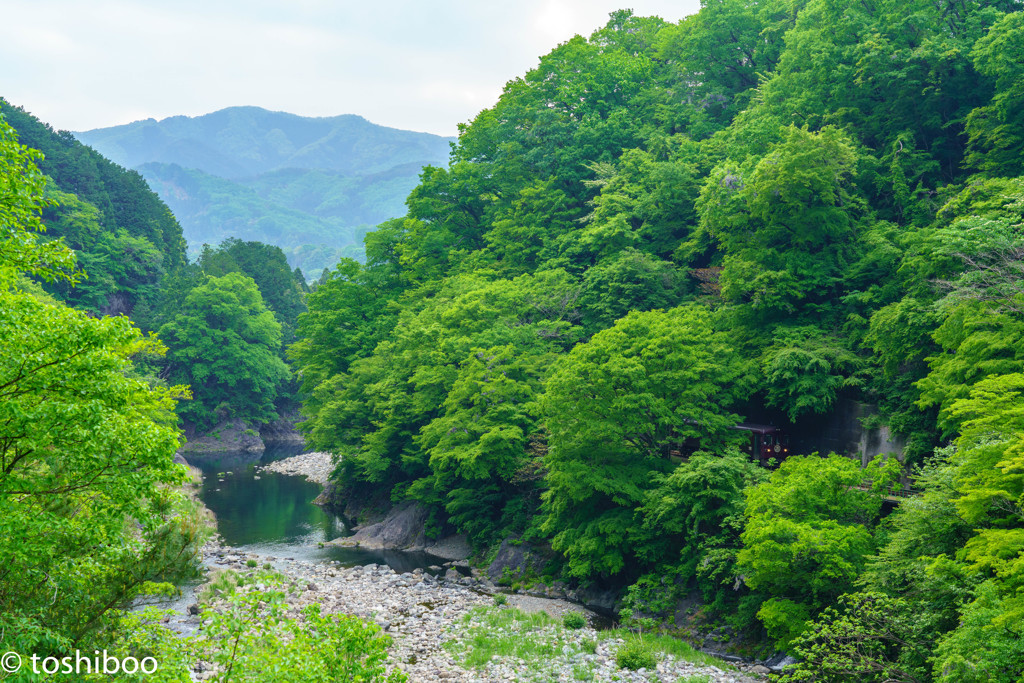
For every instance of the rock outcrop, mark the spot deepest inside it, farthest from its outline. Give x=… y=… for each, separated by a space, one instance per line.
x=282 y=430
x=230 y=435
x=516 y=558
x=403 y=529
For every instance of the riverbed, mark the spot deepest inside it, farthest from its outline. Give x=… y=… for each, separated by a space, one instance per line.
x=268 y=517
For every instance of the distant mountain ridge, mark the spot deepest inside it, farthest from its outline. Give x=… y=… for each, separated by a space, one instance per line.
x=240 y=142
x=311 y=185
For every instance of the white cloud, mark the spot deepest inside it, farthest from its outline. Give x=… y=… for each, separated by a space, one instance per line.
x=404 y=63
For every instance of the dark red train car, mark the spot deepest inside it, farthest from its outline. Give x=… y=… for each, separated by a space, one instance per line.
x=766 y=442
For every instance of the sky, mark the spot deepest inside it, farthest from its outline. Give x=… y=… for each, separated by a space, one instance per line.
x=411 y=64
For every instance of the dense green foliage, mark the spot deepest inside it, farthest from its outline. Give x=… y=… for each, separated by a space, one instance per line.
x=226 y=319
x=312 y=186
x=90 y=505
x=225 y=345
x=124 y=237
x=665 y=226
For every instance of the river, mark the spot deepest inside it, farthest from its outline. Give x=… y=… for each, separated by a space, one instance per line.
x=273 y=515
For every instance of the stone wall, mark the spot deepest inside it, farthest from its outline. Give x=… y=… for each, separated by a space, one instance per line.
x=842 y=431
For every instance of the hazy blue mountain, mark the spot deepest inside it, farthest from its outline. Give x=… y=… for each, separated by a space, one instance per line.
x=240 y=142
x=308 y=185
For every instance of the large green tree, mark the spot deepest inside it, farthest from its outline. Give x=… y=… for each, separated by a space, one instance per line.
x=89 y=506
x=225 y=345
x=616 y=409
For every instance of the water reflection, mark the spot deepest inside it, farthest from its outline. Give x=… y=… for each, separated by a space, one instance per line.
x=273 y=514
x=265 y=508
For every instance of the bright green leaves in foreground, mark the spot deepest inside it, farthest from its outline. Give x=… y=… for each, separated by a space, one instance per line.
x=88 y=512
x=225 y=343
x=247 y=636
x=808 y=535
x=616 y=408
x=84 y=448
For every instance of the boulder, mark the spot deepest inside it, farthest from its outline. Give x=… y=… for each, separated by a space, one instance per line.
x=401 y=529
x=517 y=558
x=230 y=435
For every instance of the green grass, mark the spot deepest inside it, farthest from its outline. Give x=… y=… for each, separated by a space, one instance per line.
x=574 y=620
x=636 y=654
x=225 y=582
x=506 y=632
x=493 y=632
x=667 y=645
x=582 y=672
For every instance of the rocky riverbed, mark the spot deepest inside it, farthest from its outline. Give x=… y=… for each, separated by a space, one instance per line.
x=436 y=616
x=442 y=618
x=314 y=466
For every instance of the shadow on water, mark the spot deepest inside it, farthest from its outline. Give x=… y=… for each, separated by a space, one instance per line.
x=273 y=514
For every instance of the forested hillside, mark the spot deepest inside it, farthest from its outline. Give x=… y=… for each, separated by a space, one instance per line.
x=91 y=504
x=769 y=204
x=312 y=186
x=226 y=337
x=125 y=237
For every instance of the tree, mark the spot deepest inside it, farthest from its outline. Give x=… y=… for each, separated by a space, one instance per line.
x=808 y=535
x=280 y=287
x=632 y=281
x=786 y=222
x=442 y=408
x=616 y=408
x=89 y=505
x=805 y=370
x=21 y=201
x=867 y=637
x=997 y=138
x=225 y=344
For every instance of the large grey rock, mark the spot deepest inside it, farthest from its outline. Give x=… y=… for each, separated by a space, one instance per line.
x=283 y=430
x=230 y=435
x=602 y=600
x=401 y=529
x=780 y=661
x=516 y=558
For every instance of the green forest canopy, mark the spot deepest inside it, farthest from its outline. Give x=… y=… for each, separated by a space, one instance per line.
x=777 y=204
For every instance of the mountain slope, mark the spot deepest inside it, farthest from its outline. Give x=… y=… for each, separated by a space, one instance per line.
x=124 y=236
x=122 y=198
x=241 y=142
x=304 y=184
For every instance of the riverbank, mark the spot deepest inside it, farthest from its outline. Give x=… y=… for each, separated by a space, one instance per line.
x=315 y=466
x=440 y=623
x=443 y=618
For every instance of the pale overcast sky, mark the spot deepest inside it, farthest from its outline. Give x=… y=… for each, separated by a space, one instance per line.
x=427 y=66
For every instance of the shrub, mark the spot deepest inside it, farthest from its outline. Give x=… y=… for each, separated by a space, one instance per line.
x=574 y=620
x=500 y=599
x=635 y=654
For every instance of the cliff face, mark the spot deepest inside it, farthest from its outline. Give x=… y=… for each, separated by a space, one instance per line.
x=282 y=430
x=238 y=435
x=230 y=435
